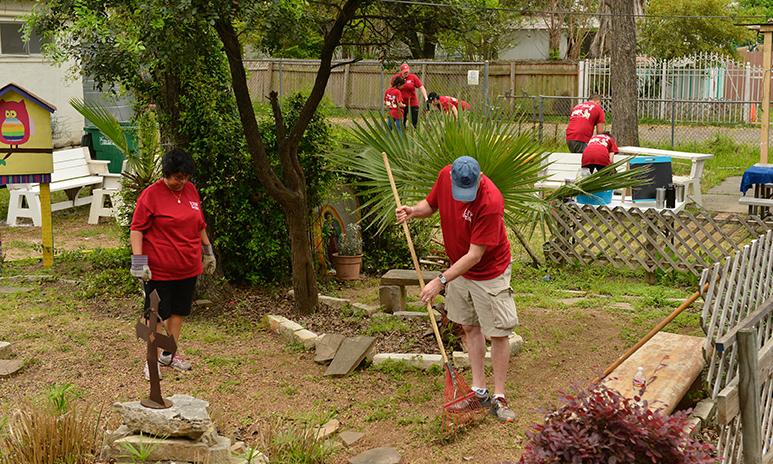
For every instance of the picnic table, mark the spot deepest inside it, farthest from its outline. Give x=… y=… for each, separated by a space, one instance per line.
x=696 y=170
x=760 y=178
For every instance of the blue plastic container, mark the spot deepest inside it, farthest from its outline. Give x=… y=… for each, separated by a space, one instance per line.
x=596 y=198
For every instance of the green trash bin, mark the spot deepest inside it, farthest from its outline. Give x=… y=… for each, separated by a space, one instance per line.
x=104 y=149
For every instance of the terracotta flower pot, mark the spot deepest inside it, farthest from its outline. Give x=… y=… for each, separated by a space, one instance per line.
x=347 y=267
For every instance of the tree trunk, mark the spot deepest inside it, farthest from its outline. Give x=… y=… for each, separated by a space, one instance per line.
x=304 y=274
x=600 y=45
x=554 y=38
x=624 y=84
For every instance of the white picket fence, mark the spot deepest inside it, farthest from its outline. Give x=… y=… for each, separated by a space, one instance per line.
x=698 y=88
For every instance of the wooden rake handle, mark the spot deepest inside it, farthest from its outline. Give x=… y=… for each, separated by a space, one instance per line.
x=415 y=259
x=685 y=304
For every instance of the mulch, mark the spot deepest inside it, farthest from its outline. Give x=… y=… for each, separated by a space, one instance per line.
x=232 y=303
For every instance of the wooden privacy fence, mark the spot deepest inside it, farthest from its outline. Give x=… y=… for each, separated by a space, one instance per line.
x=648 y=240
x=361 y=85
x=737 y=317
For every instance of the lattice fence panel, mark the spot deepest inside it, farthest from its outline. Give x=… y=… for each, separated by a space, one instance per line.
x=736 y=288
x=649 y=240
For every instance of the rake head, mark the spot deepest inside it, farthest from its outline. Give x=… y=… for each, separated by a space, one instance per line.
x=460 y=405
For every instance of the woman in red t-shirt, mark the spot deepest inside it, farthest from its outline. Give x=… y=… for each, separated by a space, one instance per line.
x=170 y=247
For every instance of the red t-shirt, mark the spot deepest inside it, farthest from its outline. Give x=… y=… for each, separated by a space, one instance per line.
x=480 y=222
x=392 y=99
x=171 y=231
x=412 y=82
x=446 y=103
x=583 y=119
x=598 y=150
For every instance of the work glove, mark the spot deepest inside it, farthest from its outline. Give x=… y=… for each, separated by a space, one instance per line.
x=208 y=259
x=140 y=268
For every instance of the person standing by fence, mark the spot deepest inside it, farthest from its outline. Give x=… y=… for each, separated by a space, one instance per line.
x=584 y=118
x=393 y=101
x=412 y=82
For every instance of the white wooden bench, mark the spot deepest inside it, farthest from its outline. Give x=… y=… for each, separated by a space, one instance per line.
x=561 y=166
x=73 y=170
x=696 y=170
x=110 y=189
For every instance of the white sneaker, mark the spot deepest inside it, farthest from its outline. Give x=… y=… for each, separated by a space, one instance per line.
x=146 y=371
x=176 y=362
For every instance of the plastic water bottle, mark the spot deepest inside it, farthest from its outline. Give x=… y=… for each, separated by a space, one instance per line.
x=639 y=380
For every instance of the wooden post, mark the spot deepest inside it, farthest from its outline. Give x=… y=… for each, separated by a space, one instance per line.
x=47 y=227
x=268 y=85
x=512 y=85
x=347 y=83
x=767 y=32
x=749 y=393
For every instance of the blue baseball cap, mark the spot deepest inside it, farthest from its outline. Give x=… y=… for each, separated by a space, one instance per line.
x=465 y=178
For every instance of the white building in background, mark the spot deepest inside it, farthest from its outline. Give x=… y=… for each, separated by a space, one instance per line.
x=531 y=41
x=22 y=63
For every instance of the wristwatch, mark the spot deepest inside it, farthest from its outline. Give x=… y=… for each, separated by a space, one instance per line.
x=443 y=280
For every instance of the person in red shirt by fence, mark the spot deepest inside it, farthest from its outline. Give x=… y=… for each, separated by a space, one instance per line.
x=170 y=247
x=584 y=118
x=447 y=104
x=412 y=82
x=477 y=285
x=600 y=152
x=393 y=101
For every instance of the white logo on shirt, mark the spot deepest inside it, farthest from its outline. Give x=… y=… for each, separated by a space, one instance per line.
x=194 y=205
x=582 y=111
x=467 y=215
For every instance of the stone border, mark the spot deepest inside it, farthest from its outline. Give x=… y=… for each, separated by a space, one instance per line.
x=294 y=332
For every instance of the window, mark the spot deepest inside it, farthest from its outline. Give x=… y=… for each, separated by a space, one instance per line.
x=12 y=40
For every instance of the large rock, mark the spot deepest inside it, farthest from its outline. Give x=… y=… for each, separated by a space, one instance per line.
x=377 y=456
x=175 y=449
x=187 y=417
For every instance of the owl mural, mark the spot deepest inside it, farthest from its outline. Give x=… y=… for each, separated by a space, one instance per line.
x=14 y=123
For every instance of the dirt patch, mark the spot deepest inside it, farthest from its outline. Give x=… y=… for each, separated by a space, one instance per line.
x=71 y=232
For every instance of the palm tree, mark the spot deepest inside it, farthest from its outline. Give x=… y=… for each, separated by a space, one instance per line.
x=512 y=159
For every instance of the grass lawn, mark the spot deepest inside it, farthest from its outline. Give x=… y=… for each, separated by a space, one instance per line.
x=76 y=326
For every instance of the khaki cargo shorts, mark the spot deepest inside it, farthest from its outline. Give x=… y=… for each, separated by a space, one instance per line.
x=485 y=303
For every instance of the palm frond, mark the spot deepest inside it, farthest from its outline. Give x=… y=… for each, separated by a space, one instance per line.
x=104 y=121
x=513 y=159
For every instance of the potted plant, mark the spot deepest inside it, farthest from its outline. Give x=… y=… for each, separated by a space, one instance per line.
x=348 y=261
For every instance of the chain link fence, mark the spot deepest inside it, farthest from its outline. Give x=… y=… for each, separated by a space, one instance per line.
x=661 y=122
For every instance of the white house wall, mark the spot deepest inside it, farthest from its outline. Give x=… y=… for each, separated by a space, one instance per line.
x=48 y=81
x=531 y=44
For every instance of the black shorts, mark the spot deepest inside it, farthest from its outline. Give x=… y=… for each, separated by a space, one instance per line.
x=594 y=167
x=575 y=146
x=176 y=297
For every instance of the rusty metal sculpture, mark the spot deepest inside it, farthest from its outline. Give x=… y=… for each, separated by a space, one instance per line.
x=155 y=341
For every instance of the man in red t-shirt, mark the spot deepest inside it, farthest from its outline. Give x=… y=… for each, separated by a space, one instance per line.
x=584 y=118
x=412 y=82
x=600 y=152
x=477 y=285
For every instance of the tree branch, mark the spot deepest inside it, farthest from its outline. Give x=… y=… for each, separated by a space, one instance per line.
x=255 y=145
x=344 y=63
x=332 y=39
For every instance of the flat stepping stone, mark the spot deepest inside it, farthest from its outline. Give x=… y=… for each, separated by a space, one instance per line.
x=324 y=432
x=350 y=437
x=350 y=354
x=5 y=289
x=403 y=277
x=671 y=364
x=377 y=456
x=10 y=366
x=5 y=350
x=327 y=346
x=571 y=301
